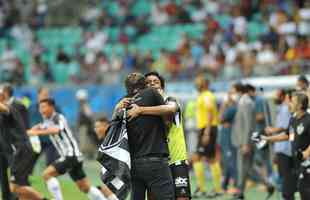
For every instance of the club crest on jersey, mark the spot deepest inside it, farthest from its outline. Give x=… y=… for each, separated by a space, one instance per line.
x=300 y=129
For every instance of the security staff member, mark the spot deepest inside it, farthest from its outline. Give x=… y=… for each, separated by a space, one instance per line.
x=299 y=134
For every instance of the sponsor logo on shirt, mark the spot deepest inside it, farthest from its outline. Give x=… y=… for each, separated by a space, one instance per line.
x=181 y=182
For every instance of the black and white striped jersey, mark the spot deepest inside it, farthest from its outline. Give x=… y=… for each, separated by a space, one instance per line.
x=64 y=142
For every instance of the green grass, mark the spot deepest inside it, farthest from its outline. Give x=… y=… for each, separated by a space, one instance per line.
x=92 y=168
x=71 y=192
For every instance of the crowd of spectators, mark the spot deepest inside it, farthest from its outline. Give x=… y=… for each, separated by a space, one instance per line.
x=280 y=44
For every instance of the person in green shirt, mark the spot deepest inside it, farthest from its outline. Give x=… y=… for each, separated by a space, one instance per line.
x=172 y=114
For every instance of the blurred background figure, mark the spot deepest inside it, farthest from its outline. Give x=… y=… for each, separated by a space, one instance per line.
x=243 y=126
x=228 y=151
x=262 y=157
x=283 y=150
x=207 y=149
x=190 y=127
x=101 y=127
x=302 y=83
x=87 y=136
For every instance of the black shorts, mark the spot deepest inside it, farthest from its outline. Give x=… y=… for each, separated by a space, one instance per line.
x=180 y=175
x=22 y=164
x=210 y=149
x=72 y=165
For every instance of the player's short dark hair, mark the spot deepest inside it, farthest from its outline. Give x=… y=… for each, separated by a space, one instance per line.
x=239 y=87
x=8 y=88
x=303 y=79
x=162 y=80
x=134 y=82
x=49 y=101
x=249 y=88
x=302 y=99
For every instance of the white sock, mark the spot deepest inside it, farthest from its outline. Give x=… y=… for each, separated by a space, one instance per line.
x=53 y=187
x=113 y=197
x=95 y=194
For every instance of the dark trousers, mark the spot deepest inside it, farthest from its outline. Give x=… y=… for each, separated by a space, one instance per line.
x=228 y=157
x=287 y=173
x=262 y=158
x=229 y=165
x=152 y=174
x=304 y=187
x=5 y=187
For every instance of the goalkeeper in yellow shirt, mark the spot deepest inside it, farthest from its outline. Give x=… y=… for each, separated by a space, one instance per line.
x=176 y=139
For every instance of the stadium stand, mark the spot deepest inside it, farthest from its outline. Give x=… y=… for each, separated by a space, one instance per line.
x=231 y=39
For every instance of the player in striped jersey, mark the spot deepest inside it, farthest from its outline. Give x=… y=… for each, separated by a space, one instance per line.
x=55 y=125
x=176 y=140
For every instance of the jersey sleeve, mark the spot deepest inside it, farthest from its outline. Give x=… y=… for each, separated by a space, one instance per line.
x=117 y=114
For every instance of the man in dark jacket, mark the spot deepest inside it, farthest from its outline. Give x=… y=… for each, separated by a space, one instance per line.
x=13 y=125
